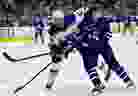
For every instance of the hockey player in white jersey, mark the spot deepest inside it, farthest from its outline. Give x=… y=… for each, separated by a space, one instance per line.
x=57 y=31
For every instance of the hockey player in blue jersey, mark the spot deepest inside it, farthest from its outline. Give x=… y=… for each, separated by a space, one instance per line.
x=39 y=28
x=97 y=42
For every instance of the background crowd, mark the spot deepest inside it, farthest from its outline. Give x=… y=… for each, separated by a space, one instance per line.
x=13 y=12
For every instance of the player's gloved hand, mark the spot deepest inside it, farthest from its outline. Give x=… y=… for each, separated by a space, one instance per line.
x=67 y=52
x=74 y=50
x=70 y=50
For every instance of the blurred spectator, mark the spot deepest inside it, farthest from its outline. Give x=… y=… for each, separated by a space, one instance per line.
x=23 y=10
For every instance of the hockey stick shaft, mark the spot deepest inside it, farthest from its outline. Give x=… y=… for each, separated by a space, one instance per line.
x=21 y=87
x=108 y=75
x=21 y=59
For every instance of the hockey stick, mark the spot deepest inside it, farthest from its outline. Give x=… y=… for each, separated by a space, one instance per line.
x=21 y=59
x=108 y=71
x=108 y=75
x=23 y=86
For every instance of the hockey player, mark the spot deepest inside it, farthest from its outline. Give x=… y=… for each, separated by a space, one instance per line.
x=57 y=31
x=96 y=42
x=39 y=27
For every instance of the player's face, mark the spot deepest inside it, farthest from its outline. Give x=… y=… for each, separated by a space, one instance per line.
x=58 y=17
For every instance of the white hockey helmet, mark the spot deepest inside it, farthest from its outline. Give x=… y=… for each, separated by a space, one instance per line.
x=58 y=13
x=58 y=17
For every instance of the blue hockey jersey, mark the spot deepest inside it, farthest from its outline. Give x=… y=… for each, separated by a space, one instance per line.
x=96 y=30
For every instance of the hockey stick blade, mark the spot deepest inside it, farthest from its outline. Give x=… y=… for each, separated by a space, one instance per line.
x=18 y=89
x=9 y=57
x=21 y=59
